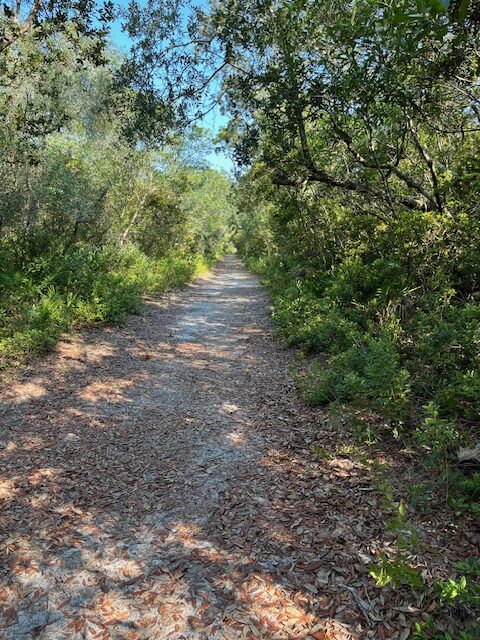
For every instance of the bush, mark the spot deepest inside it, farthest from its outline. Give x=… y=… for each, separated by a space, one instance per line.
x=370 y=372
x=465 y=493
x=312 y=323
x=389 y=338
x=83 y=286
x=446 y=356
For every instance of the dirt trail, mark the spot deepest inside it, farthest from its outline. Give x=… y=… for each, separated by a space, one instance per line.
x=158 y=482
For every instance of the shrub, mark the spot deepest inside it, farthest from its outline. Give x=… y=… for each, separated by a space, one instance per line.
x=446 y=356
x=312 y=323
x=369 y=371
x=84 y=285
x=436 y=433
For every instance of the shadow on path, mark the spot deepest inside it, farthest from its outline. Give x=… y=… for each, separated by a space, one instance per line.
x=157 y=482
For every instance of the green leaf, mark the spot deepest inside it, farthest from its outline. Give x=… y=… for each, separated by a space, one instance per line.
x=463 y=10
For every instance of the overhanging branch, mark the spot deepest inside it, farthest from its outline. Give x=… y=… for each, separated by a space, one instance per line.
x=349 y=185
x=410 y=182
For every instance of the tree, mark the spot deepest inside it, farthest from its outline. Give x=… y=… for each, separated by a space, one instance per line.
x=81 y=23
x=352 y=96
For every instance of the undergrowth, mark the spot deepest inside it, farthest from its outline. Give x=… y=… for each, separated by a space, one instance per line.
x=419 y=370
x=413 y=364
x=376 y=351
x=79 y=287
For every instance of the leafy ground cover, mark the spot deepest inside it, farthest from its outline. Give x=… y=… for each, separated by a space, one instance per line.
x=84 y=287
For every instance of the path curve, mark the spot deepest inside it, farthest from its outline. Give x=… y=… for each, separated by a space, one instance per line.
x=158 y=482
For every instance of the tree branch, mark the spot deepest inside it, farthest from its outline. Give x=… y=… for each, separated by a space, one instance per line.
x=429 y=162
x=347 y=185
x=23 y=28
x=393 y=168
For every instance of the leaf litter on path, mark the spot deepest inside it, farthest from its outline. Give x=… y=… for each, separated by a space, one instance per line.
x=157 y=481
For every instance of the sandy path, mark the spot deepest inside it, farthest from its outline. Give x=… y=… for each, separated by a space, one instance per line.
x=158 y=482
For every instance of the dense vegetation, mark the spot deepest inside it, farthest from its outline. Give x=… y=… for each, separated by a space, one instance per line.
x=93 y=213
x=355 y=126
x=359 y=126
x=361 y=206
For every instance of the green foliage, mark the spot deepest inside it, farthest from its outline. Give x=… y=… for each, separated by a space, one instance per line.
x=305 y=320
x=461 y=590
x=471 y=567
x=369 y=371
x=106 y=284
x=420 y=494
x=90 y=218
x=456 y=591
x=363 y=192
x=448 y=354
x=396 y=572
x=386 y=491
x=430 y=336
x=407 y=535
x=465 y=493
x=429 y=631
x=437 y=434
x=363 y=431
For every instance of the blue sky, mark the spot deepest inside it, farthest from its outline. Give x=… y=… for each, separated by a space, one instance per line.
x=214 y=121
